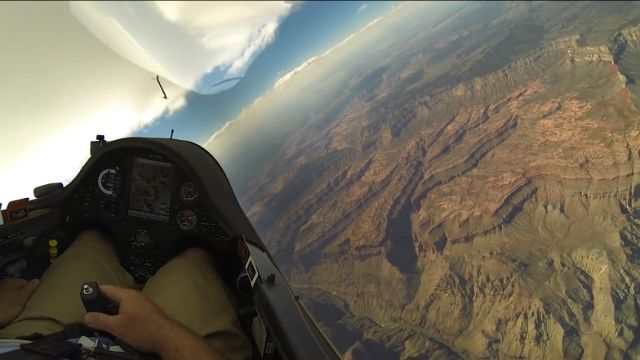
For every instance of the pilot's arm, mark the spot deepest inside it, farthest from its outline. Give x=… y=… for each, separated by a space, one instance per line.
x=144 y=326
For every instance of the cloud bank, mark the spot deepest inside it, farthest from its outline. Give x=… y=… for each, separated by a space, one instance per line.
x=281 y=82
x=286 y=77
x=184 y=40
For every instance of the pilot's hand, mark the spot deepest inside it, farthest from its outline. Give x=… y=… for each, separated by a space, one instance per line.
x=144 y=326
x=140 y=323
x=14 y=294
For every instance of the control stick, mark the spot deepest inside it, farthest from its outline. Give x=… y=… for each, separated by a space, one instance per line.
x=94 y=301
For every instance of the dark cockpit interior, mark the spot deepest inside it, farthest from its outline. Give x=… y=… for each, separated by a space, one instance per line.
x=150 y=205
x=154 y=198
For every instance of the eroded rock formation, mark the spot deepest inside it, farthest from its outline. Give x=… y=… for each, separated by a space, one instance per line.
x=473 y=198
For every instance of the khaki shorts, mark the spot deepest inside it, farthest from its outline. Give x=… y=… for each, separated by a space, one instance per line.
x=189 y=291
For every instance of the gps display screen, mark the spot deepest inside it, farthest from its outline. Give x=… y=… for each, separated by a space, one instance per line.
x=150 y=196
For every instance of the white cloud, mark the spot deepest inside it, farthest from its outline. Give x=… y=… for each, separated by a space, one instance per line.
x=226 y=126
x=229 y=124
x=264 y=36
x=286 y=77
x=182 y=41
x=213 y=142
x=362 y=8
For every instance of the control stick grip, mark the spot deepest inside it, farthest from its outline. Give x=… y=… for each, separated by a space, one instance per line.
x=94 y=301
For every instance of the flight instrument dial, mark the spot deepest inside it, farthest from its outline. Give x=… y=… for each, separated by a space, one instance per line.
x=187 y=192
x=187 y=219
x=109 y=181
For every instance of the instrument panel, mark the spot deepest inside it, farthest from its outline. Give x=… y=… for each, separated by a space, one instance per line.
x=150 y=207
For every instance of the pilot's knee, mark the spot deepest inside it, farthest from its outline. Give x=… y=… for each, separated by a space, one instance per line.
x=195 y=254
x=96 y=239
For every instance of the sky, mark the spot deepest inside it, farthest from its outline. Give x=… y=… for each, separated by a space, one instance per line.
x=309 y=30
x=73 y=70
x=317 y=90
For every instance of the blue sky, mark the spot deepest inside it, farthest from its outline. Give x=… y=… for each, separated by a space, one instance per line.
x=309 y=30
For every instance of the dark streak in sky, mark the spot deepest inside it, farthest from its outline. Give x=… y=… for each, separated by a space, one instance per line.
x=225 y=80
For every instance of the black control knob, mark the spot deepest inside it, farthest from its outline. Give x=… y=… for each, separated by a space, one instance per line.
x=141 y=278
x=141 y=273
x=94 y=301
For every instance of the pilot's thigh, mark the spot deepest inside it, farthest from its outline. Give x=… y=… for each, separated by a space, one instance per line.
x=56 y=302
x=192 y=293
